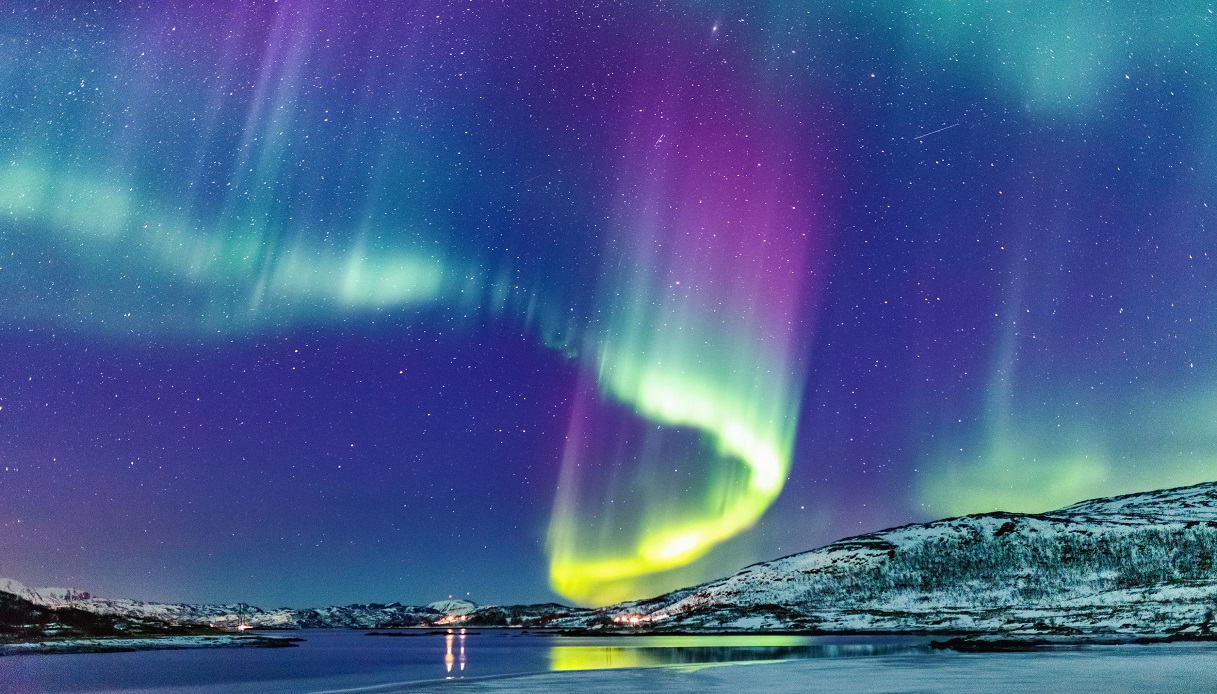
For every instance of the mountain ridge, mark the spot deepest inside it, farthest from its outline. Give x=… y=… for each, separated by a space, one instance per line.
x=1142 y=564
x=1136 y=564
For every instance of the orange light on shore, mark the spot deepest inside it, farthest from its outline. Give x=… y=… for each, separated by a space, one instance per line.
x=449 y=659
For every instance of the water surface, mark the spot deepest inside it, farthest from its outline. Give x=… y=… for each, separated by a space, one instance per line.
x=342 y=660
x=353 y=663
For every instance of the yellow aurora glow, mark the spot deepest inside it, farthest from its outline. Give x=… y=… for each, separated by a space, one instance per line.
x=700 y=343
x=753 y=457
x=673 y=366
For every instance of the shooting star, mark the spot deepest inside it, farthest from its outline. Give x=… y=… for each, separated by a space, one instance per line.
x=933 y=132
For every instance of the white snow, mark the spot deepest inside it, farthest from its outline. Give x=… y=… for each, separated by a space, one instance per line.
x=1138 y=565
x=1142 y=564
x=1095 y=670
x=229 y=615
x=453 y=607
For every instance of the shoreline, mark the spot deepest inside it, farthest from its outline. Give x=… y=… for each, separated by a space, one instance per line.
x=143 y=643
x=963 y=642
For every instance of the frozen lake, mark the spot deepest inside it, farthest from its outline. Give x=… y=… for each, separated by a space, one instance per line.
x=351 y=661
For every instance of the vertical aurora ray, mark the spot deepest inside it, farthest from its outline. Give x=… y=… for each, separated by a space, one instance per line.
x=698 y=359
x=313 y=164
x=1019 y=314
x=223 y=172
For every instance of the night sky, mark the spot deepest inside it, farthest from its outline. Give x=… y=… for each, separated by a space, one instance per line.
x=312 y=302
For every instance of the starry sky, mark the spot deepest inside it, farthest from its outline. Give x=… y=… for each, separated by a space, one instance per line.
x=326 y=301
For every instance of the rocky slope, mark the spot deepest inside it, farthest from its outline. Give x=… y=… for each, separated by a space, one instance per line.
x=229 y=616
x=29 y=627
x=1135 y=565
x=1129 y=566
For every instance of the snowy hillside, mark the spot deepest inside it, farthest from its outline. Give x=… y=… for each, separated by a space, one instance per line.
x=1135 y=565
x=230 y=615
x=29 y=628
x=1140 y=564
x=453 y=607
x=373 y=616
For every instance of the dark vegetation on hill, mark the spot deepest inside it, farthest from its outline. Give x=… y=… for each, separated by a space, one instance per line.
x=535 y=616
x=22 y=620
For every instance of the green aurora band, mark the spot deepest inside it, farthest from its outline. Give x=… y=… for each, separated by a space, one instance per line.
x=697 y=328
x=676 y=358
x=701 y=335
x=698 y=331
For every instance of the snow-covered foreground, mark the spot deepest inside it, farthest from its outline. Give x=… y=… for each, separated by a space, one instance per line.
x=1167 y=668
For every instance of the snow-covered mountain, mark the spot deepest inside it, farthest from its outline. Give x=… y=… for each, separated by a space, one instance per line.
x=454 y=607
x=1139 y=564
x=371 y=616
x=1135 y=565
x=230 y=615
x=53 y=598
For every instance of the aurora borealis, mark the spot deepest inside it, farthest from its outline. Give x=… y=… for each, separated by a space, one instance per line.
x=313 y=302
